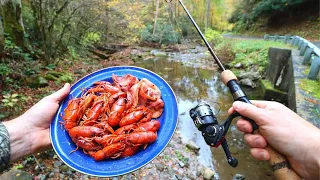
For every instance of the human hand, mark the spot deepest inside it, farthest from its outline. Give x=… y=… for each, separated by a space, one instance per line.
x=29 y=133
x=285 y=131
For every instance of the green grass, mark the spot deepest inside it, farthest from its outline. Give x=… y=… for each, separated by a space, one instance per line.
x=254 y=52
x=310 y=87
x=181 y=157
x=266 y=84
x=306 y=71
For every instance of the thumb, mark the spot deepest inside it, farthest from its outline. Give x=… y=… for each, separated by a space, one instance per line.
x=60 y=94
x=249 y=111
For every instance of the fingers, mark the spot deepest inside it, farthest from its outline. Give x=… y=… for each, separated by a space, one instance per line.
x=231 y=110
x=244 y=126
x=256 y=112
x=60 y=94
x=259 y=104
x=251 y=111
x=257 y=144
x=260 y=154
x=255 y=141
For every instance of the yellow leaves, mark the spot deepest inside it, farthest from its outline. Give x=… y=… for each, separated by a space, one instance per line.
x=113 y=3
x=221 y=11
x=129 y=10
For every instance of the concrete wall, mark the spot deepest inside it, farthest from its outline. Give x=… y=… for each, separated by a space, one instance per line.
x=280 y=73
x=278 y=70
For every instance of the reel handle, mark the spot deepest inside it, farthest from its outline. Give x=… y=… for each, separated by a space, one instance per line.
x=278 y=161
x=213 y=133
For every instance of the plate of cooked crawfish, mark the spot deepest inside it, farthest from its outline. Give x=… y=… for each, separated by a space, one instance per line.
x=114 y=121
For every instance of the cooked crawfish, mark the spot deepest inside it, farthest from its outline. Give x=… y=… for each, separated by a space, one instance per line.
x=71 y=113
x=116 y=112
x=134 y=95
x=129 y=100
x=126 y=129
x=149 y=90
x=111 y=151
x=125 y=82
x=104 y=125
x=140 y=138
x=104 y=87
x=112 y=120
x=86 y=144
x=109 y=139
x=152 y=125
x=130 y=150
x=88 y=101
x=85 y=131
x=112 y=99
x=156 y=107
x=93 y=113
x=108 y=87
x=135 y=116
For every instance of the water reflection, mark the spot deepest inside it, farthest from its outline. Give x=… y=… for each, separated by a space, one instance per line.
x=192 y=84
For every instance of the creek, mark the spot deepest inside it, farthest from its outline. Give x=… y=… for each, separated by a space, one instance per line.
x=194 y=78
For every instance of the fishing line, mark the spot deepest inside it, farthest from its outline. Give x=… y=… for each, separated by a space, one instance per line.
x=180 y=52
x=177 y=39
x=175 y=36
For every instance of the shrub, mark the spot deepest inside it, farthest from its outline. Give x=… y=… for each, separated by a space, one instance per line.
x=213 y=37
x=247 y=12
x=146 y=35
x=225 y=51
x=90 y=38
x=12 y=101
x=164 y=34
x=5 y=70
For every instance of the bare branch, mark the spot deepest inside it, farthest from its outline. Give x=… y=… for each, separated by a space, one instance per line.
x=57 y=14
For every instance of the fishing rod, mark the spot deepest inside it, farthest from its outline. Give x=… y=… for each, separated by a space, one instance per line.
x=214 y=133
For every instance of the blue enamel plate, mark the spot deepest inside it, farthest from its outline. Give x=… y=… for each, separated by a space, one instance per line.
x=79 y=161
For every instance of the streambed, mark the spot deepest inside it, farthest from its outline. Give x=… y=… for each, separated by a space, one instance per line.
x=194 y=78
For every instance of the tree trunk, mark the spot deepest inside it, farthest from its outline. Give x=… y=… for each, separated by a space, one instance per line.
x=12 y=20
x=178 y=11
x=2 y=40
x=106 y=25
x=208 y=15
x=156 y=17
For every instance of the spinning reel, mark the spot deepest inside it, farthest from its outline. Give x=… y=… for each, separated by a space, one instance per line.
x=212 y=132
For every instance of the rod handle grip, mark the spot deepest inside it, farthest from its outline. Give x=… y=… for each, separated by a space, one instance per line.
x=278 y=161
x=280 y=165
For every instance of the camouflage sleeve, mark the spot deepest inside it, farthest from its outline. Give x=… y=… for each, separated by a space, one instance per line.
x=4 y=148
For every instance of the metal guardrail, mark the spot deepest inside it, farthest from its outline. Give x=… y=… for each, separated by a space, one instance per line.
x=310 y=52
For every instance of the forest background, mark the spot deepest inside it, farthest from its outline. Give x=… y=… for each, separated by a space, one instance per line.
x=46 y=43
x=41 y=39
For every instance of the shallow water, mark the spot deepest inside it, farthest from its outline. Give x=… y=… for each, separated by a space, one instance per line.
x=192 y=83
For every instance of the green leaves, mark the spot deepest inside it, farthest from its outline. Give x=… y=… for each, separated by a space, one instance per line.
x=181 y=157
x=247 y=12
x=67 y=77
x=5 y=69
x=19 y=166
x=248 y=52
x=50 y=67
x=11 y=101
x=91 y=38
x=213 y=36
x=164 y=34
